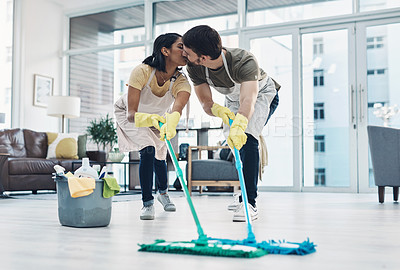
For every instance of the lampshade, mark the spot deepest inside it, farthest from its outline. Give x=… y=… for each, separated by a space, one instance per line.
x=64 y=106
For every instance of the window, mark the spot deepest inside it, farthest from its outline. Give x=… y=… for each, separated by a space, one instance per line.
x=319 y=143
x=318 y=47
x=379 y=71
x=375 y=42
x=318 y=77
x=8 y=54
x=98 y=77
x=319 y=177
x=9 y=11
x=372 y=104
x=268 y=12
x=319 y=112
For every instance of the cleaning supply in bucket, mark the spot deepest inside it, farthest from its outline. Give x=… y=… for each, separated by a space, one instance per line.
x=111 y=186
x=88 y=211
x=247 y=248
x=85 y=170
x=81 y=186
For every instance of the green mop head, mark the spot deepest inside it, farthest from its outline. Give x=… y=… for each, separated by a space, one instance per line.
x=208 y=248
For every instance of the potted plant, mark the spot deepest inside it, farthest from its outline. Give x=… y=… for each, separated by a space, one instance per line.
x=103 y=133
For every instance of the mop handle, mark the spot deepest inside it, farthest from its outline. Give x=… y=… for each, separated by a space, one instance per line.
x=239 y=168
x=185 y=189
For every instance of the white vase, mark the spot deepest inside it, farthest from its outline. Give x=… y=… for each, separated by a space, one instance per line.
x=116 y=156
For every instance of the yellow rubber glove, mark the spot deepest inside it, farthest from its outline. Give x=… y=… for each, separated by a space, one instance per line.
x=222 y=112
x=169 y=128
x=148 y=120
x=237 y=137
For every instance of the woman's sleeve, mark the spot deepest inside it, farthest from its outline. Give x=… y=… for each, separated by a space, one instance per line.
x=138 y=77
x=181 y=84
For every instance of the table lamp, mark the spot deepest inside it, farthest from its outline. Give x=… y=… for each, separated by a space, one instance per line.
x=64 y=107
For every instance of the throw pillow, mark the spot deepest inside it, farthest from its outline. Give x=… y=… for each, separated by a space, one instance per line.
x=62 y=145
x=82 y=146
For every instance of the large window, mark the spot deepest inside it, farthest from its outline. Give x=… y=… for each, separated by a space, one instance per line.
x=6 y=55
x=100 y=77
x=269 y=12
x=368 y=5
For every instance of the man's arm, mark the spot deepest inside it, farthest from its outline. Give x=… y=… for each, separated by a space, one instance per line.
x=133 y=102
x=204 y=95
x=248 y=97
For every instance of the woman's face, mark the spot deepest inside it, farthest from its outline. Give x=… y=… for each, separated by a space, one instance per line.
x=176 y=53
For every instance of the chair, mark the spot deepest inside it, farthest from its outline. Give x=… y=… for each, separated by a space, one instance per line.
x=210 y=172
x=384 y=145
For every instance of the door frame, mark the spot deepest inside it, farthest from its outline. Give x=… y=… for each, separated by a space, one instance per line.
x=247 y=36
x=352 y=131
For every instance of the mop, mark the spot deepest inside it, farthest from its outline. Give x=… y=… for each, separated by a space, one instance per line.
x=247 y=248
x=272 y=247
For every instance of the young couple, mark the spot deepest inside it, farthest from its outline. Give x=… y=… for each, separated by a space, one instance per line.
x=157 y=84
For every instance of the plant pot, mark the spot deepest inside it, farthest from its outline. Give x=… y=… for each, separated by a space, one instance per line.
x=116 y=156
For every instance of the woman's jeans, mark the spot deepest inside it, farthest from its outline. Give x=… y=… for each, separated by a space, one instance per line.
x=149 y=164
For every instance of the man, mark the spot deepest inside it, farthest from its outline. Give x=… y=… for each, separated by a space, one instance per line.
x=251 y=98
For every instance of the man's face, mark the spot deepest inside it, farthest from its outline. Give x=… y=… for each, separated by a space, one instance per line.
x=191 y=57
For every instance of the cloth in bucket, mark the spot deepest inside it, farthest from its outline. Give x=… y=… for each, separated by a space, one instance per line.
x=111 y=187
x=81 y=186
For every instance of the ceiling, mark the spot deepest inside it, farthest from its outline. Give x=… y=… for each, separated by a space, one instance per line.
x=166 y=11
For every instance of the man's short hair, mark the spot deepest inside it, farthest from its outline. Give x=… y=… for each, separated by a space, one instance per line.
x=203 y=40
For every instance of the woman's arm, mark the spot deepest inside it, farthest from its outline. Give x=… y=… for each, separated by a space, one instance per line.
x=180 y=101
x=133 y=102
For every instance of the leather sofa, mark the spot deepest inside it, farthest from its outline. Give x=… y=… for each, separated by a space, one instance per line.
x=23 y=163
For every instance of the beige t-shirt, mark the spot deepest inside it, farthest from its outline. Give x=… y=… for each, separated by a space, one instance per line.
x=242 y=67
x=141 y=74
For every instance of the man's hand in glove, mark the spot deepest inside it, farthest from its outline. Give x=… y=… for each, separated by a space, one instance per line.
x=222 y=112
x=237 y=138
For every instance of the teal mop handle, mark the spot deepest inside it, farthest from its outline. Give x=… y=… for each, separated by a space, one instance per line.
x=239 y=168
x=179 y=173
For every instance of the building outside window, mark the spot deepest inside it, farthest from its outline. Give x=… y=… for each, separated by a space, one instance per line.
x=319 y=112
x=318 y=77
x=379 y=71
x=319 y=143
x=318 y=46
x=375 y=42
x=319 y=177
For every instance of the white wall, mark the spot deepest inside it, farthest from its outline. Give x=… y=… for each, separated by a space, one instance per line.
x=39 y=37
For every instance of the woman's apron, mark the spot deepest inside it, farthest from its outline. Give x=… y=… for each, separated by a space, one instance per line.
x=131 y=138
x=265 y=96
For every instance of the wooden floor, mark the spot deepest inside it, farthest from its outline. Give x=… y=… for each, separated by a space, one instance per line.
x=352 y=231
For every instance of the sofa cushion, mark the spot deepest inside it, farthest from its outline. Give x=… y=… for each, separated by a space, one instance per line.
x=213 y=169
x=82 y=139
x=21 y=166
x=62 y=145
x=12 y=142
x=35 y=143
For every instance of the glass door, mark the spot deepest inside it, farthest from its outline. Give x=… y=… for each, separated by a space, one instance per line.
x=378 y=86
x=275 y=53
x=328 y=109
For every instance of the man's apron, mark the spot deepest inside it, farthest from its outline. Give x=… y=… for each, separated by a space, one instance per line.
x=131 y=138
x=265 y=96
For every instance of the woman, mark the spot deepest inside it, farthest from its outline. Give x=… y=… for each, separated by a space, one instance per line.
x=153 y=87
